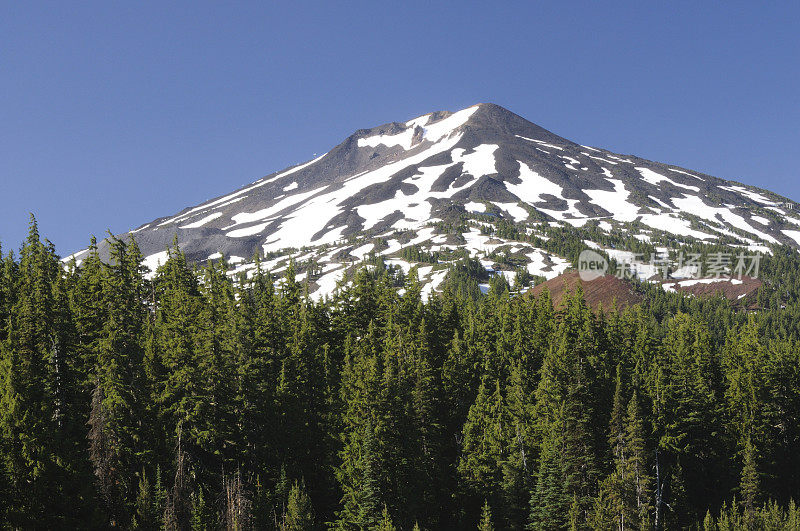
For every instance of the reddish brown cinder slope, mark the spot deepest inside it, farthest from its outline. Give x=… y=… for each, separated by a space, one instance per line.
x=601 y=291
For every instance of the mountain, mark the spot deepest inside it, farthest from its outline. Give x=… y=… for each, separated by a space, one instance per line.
x=445 y=184
x=606 y=291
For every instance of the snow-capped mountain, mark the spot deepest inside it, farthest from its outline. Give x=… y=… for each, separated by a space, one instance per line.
x=400 y=184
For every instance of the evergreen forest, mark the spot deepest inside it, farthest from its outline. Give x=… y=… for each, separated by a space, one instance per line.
x=192 y=399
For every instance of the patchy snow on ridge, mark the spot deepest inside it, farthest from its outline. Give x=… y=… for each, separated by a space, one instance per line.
x=433 y=132
x=794 y=234
x=615 y=202
x=416 y=207
x=541 y=142
x=695 y=205
x=424 y=182
x=478 y=163
x=516 y=211
x=533 y=186
x=654 y=178
x=219 y=202
x=686 y=173
x=203 y=221
x=758 y=198
x=248 y=231
x=438 y=130
x=402 y=139
x=671 y=223
x=313 y=215
x=283 y=204
x=472 y=206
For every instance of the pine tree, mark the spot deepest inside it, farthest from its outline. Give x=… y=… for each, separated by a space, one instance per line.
x=617 y=438
x=485 y=523
x=260 y=345
x=199 y=509
x=358 y=473
x=549 y=500
x=425 y=441
x=484 y=445
x=386 y=521
x=116 y=413
x=687 y=408
x=39 y=420
x=461 y=376
x=749 y=485
x=565 y=401
x=183 y=392
x=159 y=498
x=518 y=467
x=215 y=364
x=145 y=513
x=679 y=514
x=747 y=370
x=299 y=514
x=623 y=499
x=708 y=522
x=301 y=400
x=89 y=310
x=636 y=465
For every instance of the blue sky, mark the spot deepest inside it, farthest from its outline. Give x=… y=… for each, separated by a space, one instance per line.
x=116 y=113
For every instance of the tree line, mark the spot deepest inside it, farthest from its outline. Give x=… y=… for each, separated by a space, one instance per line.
x=192 y=399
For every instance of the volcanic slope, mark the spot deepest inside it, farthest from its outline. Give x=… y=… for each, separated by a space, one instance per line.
x=482 y=182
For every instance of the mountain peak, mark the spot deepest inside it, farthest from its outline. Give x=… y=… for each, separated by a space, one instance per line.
x=396 y=185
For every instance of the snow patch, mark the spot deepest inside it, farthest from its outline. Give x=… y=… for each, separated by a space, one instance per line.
x=203 y=221
x=533 y=186
x=654 y=178
x=247 y=231
x=154 y=261
x=793 y=234
x=695 y=205
x=758 y=198
x=516 y=211
x=686 y=173
x=615 y=202
x=431 y=132
x=540 y=142
x=225 y=199
x=674 y=225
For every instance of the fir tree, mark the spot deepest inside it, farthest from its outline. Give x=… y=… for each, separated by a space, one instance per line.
x=145 y=511
x=115 y=437
x=385 y=523
x=37 y=411
x=749 y=485
x=485 y=523
x=299 y=513
x=484 y=446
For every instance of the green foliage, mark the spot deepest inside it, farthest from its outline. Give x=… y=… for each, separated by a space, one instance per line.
x=413 y=253
x=485 y=523
x=195 y=399
x=299 y=513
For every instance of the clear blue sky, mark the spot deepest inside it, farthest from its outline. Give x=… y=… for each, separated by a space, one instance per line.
x=115 y=113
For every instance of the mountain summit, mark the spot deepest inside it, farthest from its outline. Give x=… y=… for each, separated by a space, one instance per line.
x=401 y=184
